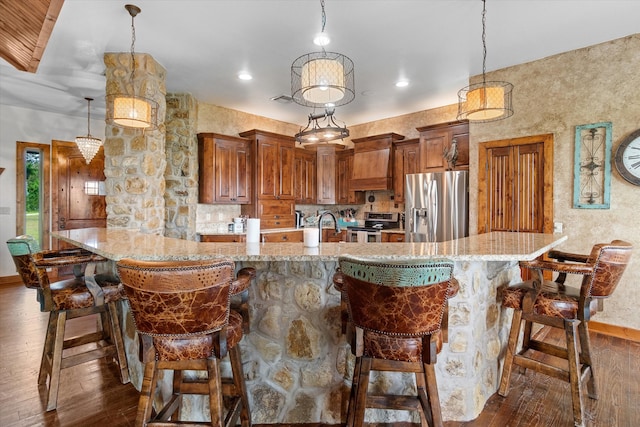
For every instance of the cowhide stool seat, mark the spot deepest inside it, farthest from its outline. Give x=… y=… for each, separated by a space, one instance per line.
x=80 y=296
x=554 y=304
x=396 y=309
x=182 y=316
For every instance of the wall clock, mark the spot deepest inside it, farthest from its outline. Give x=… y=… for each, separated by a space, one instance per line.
x=627 y=158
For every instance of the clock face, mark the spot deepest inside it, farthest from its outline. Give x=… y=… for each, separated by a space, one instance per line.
x=628 y=158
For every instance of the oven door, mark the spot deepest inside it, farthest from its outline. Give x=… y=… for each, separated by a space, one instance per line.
x=364 y=236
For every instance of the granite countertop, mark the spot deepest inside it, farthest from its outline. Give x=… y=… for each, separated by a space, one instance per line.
x=122 y=243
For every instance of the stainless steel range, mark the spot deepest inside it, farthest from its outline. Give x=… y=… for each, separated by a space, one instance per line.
x=374 y=223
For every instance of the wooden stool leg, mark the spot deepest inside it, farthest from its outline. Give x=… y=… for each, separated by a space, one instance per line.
x=362 y=391
x=511 y=352
x=145 y=404
x=240 y=386
x=116 y=338
x=351 y=409
x=585 y=359
x=432 y=394
x=215 y=393
x=426 y=417
x=47 y=350
x=56 y=360
x=570 y=327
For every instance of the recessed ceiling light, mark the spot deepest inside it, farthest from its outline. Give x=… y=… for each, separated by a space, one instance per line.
x=245 y=76
x=402 y=83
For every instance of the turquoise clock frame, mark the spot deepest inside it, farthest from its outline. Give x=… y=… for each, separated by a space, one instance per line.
x=592 y=166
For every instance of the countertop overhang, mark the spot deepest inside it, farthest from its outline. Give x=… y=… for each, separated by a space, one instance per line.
x=116 y=244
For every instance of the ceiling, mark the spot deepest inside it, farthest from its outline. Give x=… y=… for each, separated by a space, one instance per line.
x=203 y=44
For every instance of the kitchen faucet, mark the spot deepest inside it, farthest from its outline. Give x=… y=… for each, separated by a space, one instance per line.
x=335 y=221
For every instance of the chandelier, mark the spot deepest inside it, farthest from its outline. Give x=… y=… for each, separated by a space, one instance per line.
x=88 y=145
x=315 y=133
x=129 y=110
x=322 y=79
x=489 y=100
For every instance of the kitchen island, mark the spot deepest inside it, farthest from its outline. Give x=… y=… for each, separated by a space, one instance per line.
x=297 y=363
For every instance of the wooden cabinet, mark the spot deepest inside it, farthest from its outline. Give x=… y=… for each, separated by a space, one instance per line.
x=406 y=158
x=223 y=238
x=224 y=169
x=436 y=139
x=331 y=235
x=275 y=213
x=282 y=236
x=273 y=179
x=326 y=173
x=391 y=237
x=373 y=162
x=344 y=168
x=305 y=176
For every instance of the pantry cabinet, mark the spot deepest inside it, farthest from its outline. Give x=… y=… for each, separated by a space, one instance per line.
x=406 y=160
x=305 y=176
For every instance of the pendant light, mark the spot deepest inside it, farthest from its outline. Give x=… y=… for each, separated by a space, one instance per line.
x=129 y=110
x=316 y=133
x=88 y=145
x=322 y=79
x=487 y=101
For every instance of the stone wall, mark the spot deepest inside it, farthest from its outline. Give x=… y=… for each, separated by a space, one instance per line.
x=181 y=174
x=135 y=160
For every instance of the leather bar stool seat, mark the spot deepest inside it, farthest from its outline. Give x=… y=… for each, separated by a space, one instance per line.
x=182 y=315
x=395 y=311
x=67 y=299
x=553 y=303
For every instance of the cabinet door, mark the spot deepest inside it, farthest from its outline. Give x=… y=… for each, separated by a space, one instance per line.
x=268 y=169
x=286 y=184
x=461 y=134
x=406 y=160
x=232 y=172
x=432 y=145
x=326 y=168
x=305 y=176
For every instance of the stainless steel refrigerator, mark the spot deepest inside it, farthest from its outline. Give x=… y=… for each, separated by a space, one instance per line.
x=436 y=206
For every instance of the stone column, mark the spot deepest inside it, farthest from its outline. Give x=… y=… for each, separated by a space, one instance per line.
x=181 y=175
x=135 y=160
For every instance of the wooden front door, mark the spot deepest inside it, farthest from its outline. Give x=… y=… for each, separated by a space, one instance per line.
x=77 y=188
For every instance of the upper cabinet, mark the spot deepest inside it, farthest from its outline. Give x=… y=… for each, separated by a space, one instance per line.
x=224 y=169
x=436 y=140
x=274 y=164
x=406 y=159
x=305 y=176
x=273 y=180
x=345 y=195
x=373 y=162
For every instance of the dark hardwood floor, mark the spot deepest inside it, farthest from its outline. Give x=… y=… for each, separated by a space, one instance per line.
x=91 y=394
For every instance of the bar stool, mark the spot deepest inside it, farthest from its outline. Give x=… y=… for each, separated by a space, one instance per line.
x=69 y=299
x=240 y=295
x=553 y=304
x=396 y=309
x=181 y=312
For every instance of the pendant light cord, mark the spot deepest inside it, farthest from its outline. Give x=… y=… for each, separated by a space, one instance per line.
x=88 y=116
x=323 y=21
x=484 y=41
x=133 y=52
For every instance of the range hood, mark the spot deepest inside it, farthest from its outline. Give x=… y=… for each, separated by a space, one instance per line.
x=373 y=162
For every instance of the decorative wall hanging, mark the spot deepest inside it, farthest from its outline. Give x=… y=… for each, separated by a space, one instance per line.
x=592 y=166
